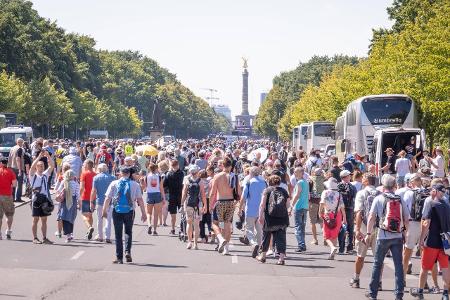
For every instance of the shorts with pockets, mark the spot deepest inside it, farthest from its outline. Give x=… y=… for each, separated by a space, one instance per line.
x=192 y=213
x=6 y=206
x=314 y=213
x=86 y=207
x=412 y=235
x=174 y=204
x=432 y=255
x=154 y=198
x=225 y=210
x=362 y=246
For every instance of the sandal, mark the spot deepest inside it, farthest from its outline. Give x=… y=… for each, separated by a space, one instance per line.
x=280 y=262
x=261 y=259
x=37 y=241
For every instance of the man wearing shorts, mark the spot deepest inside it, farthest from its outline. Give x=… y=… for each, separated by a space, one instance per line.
x=194 y=203
x=368 y=182
x=7 y=183
x=174 y=183
x=434 y=221
x=222 y=192
x=86 y=180
x=413 y=233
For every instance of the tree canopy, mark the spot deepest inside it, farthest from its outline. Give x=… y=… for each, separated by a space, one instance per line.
x=52 y=78
x=413 y=59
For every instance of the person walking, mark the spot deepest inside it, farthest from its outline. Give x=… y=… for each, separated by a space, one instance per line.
x=274 y=216
x=300 y=205
x=348 y=193
x=317 y=187
x=68 y=195
x=250 y=203
x=7 y=183
x=435 y=222
x=123 y=194
x=16 y=163
x=363 y=203
x=38 y=178
x=333 y=213
x=153 y=185
x=174 y=183
x=86 y=179
x=100 y=185
x=393 y=217
x=194 y=203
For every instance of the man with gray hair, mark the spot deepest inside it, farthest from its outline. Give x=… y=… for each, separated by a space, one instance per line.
x=393 y=216
x=100 y=185
x=16 y=163
x=251 y=198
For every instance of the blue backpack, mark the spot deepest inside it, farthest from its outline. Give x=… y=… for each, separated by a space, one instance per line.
x=122 y=200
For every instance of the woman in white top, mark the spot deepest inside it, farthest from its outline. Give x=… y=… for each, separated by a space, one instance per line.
x=153 y=185
x=402 y=167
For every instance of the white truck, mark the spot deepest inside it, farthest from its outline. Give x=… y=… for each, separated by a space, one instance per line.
x=9 y=136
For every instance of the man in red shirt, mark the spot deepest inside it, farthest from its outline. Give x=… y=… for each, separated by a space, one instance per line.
x=7 y=183
x=86 y=180
x=103 y=157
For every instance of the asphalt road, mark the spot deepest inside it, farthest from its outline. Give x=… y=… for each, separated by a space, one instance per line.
x=163 y=268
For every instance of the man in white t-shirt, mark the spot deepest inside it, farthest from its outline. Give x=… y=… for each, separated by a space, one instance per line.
x=39 y=183
x=437 y=164
x=402 y=167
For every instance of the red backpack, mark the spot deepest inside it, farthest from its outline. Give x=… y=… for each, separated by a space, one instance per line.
x=392 y=217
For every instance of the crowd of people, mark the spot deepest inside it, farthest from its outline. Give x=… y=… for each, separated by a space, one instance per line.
x=259 y=184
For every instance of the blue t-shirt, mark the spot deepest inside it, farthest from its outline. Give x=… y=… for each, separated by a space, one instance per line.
x=302 y=202
x=101 y=183
x=252 y=192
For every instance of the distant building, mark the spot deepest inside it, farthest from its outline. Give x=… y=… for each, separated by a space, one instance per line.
x=263 y=97
x=223 y=110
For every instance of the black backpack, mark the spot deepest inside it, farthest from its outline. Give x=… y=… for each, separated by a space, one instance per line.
x=276 y=203
x=418 y=203
x=193 y=193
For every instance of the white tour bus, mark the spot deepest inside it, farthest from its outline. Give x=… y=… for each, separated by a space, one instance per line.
x=299 y=136
x=397 y=139
x=9 y=136
x=368 y=114
x=319 y=135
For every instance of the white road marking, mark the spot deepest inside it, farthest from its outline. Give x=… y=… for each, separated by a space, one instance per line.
x=234 y=259
x=231 y=246
x=77 y=255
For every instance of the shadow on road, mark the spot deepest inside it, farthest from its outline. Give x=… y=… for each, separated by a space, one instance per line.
x=157 y=266
x=11 y=295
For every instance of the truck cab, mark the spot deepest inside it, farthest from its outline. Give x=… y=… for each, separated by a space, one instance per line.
x=397 y=139
x=9 y=136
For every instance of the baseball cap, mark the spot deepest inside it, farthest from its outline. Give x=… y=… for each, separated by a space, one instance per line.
x=344 y=173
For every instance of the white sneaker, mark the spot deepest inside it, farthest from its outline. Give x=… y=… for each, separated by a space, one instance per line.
x=58 y=234
x=269 y=252
x=226 y=251
x=189 y=246
x=195 y=246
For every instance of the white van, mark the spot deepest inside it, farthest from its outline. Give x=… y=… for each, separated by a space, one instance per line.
x=9 y=136
x=397 y=139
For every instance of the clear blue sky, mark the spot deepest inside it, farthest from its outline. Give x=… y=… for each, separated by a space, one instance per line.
x=202 y=41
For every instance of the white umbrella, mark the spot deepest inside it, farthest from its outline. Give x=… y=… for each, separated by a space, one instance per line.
x=264 y=153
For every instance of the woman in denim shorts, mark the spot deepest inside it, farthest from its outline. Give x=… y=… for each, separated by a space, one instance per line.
x=153 y=185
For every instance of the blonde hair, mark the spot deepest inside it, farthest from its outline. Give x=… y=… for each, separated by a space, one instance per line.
x=68 y=175
x=163 y=166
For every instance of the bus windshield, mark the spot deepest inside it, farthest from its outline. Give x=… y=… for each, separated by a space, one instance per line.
x=324 y=130
x=9 y=139
x=387 y=111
